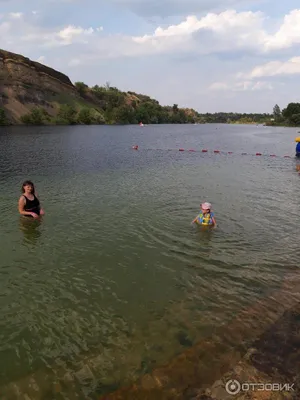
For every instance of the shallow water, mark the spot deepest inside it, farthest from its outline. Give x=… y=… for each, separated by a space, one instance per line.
x=115 y=275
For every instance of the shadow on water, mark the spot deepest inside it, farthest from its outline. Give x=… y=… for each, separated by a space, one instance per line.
x=31 y=229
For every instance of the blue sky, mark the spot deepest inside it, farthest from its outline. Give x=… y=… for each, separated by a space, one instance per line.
x=212 y=55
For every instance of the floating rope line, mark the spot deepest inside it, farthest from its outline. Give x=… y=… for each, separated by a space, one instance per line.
x=136 y=147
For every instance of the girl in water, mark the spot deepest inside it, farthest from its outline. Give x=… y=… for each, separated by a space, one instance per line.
x=29 y=204
x=206 y=216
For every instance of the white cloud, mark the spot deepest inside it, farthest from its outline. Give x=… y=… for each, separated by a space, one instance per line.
x=68 y=34
x=260 y=85
x=220 y=23
x=16 y=15
x=227 y=31
x=272 y=69
x=275 y=68
x=241 y=86
x=287 y=35
x=245 y=80
x=219 y=86
x=38 y=36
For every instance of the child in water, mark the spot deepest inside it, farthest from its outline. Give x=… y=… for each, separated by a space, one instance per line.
x=206 y=216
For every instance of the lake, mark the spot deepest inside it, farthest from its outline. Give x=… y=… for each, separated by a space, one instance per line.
x=115 y=277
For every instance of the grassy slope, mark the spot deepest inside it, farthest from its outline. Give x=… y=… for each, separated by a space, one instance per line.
x=77 y=102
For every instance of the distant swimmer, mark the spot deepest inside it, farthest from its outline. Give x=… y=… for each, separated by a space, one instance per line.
x=206 y=216
x=297 y=140
x=298 y=150
x=29 y=204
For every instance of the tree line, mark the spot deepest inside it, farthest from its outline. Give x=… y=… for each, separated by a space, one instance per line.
x=109 y=105
x=289 y=116
x=67 y=115
x=132 y=108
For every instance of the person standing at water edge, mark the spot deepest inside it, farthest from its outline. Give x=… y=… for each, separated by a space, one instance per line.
x=29 y=204
x=206 y=216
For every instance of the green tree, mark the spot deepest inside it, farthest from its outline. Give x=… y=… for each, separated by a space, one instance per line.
x=114 y=99
x=191 y=119
x=124 y=115
x=37 y=116
x=81 y=87
x=142 y=114
x=99 y=91
x=97 y=117
x=291 y=109
x=277 y=113
x=85 y=116
x=67 y=114
x=179 y=117
x=175 y=108
x=3 y=118
x=295 y=119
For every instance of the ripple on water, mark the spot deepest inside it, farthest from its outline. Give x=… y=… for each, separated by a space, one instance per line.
x=116 y=275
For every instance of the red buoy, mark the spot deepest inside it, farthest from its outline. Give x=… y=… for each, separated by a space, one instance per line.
x=258 y=154
x=181 y=149
x=216 y=151
x=135 y=147
x=204 y=151
x=272 y=155
x=230 y=152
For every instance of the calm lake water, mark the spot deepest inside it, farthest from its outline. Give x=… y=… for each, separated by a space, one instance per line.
x=115 y=276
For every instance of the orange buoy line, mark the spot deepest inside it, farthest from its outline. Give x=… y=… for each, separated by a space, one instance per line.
x=136 y=147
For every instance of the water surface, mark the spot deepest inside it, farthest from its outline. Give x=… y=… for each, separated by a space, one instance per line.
x=115 y=275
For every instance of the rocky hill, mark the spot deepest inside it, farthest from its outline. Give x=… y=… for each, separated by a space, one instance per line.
x=33 y=93
x=26 y=85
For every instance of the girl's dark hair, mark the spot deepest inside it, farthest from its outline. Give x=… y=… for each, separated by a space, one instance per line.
x=28 y=183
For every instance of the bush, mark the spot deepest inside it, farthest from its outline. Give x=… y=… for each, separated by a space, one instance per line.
x=3 y=119
x=67 y=114
x=85 y=116
x=37 y=116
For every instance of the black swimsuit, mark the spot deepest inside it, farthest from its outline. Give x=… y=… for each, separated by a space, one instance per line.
x=32 y=205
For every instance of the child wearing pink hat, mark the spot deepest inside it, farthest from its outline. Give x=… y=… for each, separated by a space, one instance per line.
x=206 y=216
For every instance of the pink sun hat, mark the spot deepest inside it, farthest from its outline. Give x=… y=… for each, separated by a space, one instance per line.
x=206 y=206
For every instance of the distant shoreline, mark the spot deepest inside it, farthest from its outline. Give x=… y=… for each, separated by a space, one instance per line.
x=145 y=126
